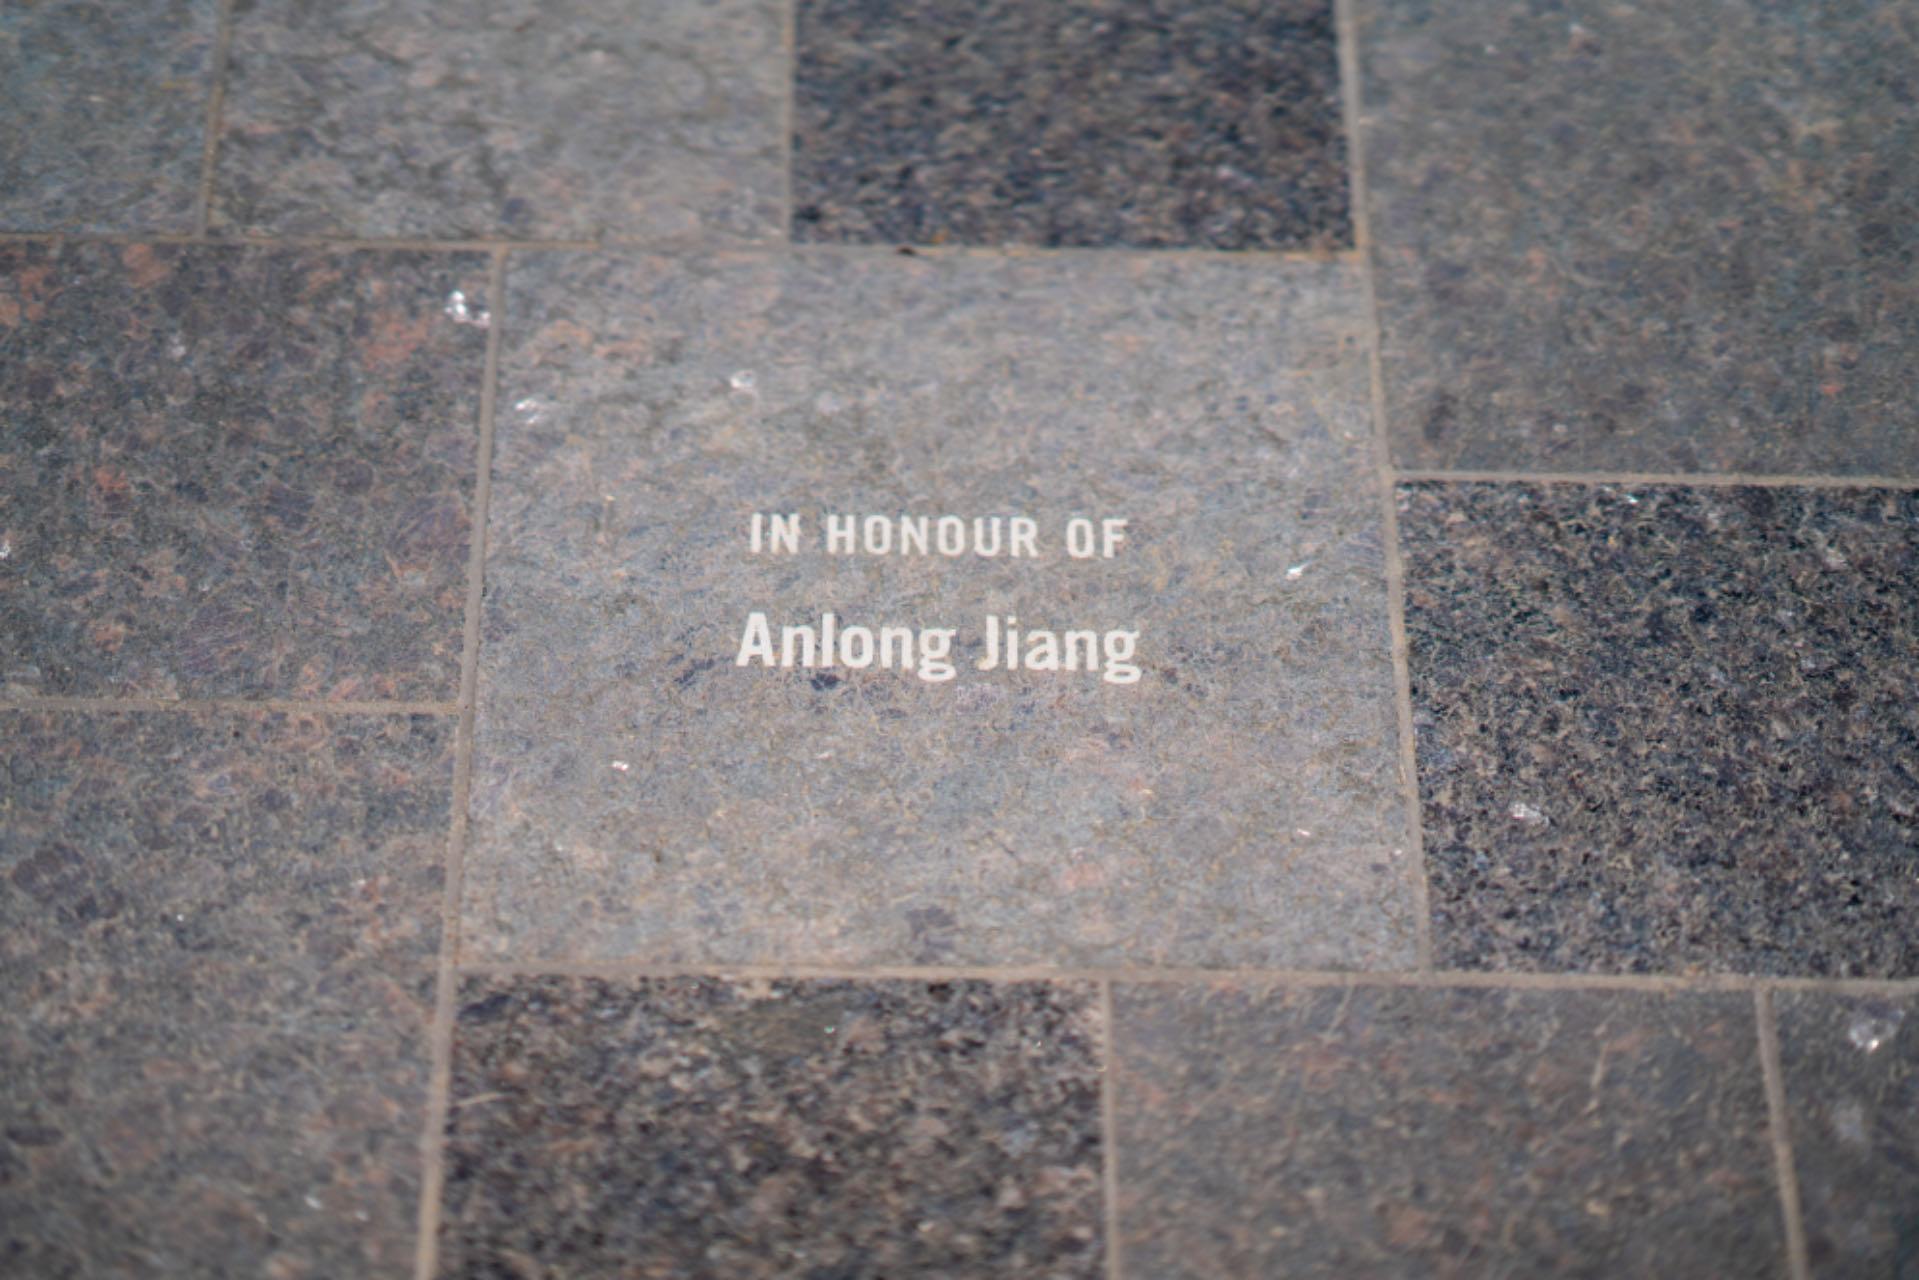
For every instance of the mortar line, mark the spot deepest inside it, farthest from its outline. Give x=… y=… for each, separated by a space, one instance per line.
x=1796 y=1258
x=1652 y=983
x=345 y=243
x=790 y=46
x=433 y=1140
x=1717 y=479
x=1383 y=473
x=1109 y=1127
x=370 y=707
x=216 y=109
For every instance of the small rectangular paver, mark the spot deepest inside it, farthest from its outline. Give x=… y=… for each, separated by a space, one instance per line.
x=694 y=1128
x=1667 y=729
x=1441 y=1134
x=647 y=787
x=236 y=472
x=1645 y=238
x=103 y=114
x=534 y=119
x=1148 y=123
x=217 y=941
x=1851 y=1071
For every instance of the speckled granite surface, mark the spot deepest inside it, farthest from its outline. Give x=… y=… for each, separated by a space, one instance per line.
x=1851 y=1070
x=235 y=472
x=543 y=119
x=639 y=794
x=1441 y=1133
x=103 y=112
x=694 y=1128
x=740 y=970
x=1079 y=122
x=1645 y=237
x=217 y=940
x=1665 y=729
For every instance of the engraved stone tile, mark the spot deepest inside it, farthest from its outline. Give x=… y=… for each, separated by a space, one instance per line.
x=1667 y=729
x=1441 y=1134
x=542 y=119
x=1632 y=237
x=230 y=472
x=641 y=794
x=103 y=111
x=1851 y=1068
x=1151 y=123
x=217 y=939
x=697 y=1128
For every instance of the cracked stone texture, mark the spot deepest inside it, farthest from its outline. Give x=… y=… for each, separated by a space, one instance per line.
x=1397 y=1132
x=1851 y=1069
x=103 y=111
x=218 y=938
x=541 y=119
x=1149 y=123
x=1665 y=729
x=700 y=1128
x=639 y=795
x=1639 y=237
x=230 y=472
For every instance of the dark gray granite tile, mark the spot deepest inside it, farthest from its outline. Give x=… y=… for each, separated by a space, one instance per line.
x=1667 y=729
x=545 y=119
x=640 y=794
x=235 y=472
x=1851 y=1068
x=217 y=939
x=1150 y=123
x=1633 y=237
x=103 y=112
x=691 y=1127
x=1437 y=1134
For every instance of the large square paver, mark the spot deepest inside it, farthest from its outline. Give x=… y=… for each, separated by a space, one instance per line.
x=1441 y=1134
x=218 y=938
x=700 y=1128
x=236 y=472
x=639 y=794
x=1210 y=124
x=1667 y=729
x=1645 y=237
x=543 y=119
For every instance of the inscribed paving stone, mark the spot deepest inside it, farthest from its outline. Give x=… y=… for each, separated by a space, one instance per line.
x=638 y=794
x=103 y=112
x=1667 y=730
x=691 y=1127
x=217 y=938
x=1645 y=237
x=530 y=119
x=1851 y=1069
x=236 y=472
x=1439 y=1134
x=1147 y=123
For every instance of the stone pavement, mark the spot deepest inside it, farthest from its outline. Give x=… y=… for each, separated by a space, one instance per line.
x=866 y=638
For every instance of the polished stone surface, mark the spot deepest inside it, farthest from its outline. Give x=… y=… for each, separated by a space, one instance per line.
x=1665 y=729
x=1148 y=123
x=1633 y=237
x=217 y=939
x=640 y=795
x=1851 y=1070
x=1440 y=1133
x=541 y=119
x=230 y=472
x=103 y=112
x=692 y=1127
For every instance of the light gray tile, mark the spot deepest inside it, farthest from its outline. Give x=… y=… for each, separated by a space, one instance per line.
x=640 y=795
